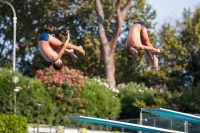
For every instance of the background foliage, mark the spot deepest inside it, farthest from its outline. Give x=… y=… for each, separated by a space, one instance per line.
x=80 y=18
x=61 y=93
x=174 y=86
x=92 y=97
x=32 y=92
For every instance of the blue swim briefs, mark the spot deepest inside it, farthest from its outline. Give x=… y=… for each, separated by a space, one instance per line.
x=44 y=37
x=142 y=25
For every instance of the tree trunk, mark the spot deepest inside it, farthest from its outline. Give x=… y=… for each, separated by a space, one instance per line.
x=108 y=47
x=109 y=66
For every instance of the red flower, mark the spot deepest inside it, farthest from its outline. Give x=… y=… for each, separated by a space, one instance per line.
x=83 y=111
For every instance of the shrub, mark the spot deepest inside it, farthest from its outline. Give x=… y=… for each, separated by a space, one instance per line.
x=116 y=132
x=75 y=95
x=136 y=96
x=32 y=92
x=187 y=101
x=13 y=124
x=66 y=89
x=60 y=129
x=102 y=102
x=131 y=92
x=83 y=130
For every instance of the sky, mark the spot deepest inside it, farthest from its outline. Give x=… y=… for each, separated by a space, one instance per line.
x=171 y=9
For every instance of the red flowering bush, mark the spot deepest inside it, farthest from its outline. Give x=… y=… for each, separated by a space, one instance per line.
x=66 y=88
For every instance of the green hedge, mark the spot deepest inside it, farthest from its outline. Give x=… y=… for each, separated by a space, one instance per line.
x=102 y=102
x=12 y=124
x=31 y=93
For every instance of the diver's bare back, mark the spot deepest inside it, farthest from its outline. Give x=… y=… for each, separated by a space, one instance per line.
x=133 y=39
x=47 y=52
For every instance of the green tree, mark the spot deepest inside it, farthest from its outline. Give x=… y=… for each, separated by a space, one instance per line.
x=179 y=57
x=109 y=36
x=173 y=57
x=190 y=37
x=108 y=46
x=32 y=17
x=79 y=17
x=171 y=61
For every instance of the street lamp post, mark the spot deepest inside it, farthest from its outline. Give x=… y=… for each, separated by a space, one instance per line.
x=14 y=35
x=15 y=79
x=17 y=89
x=38 y=121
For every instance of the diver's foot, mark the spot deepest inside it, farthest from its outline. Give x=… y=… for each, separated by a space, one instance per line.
x=71 y=53
x=155 y=63
x=81 y=50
